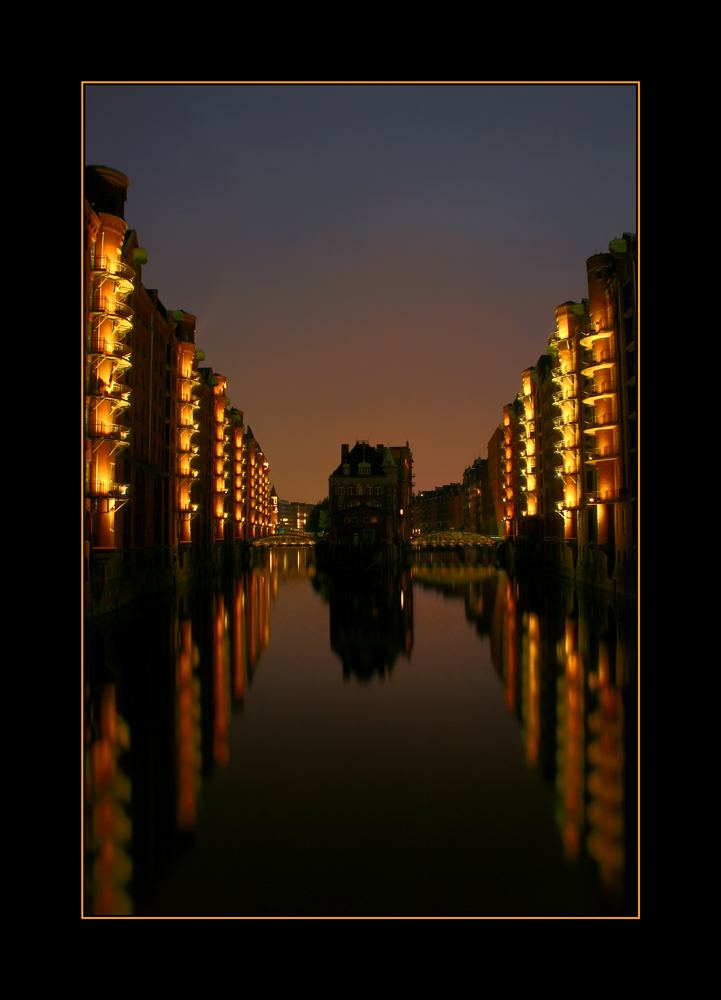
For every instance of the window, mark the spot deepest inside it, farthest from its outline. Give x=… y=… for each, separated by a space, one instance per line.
x=364 y=468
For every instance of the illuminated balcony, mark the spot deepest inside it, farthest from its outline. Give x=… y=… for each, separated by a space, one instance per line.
x=602 y=454
x=118 y=394
x=114 y=308
x=591 y=336
x=113 y=266
x=116 y=269
x=113 y=349
x=591 y=364
x=566 y=380
x=561 y=421
x=600 y=389
x=556 y=340
x=113 y=432
x=115 y=491
x=188 y=509
x=600 y=422
x=603 y=496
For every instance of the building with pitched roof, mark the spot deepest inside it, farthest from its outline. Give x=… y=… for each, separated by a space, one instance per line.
x=370 y=495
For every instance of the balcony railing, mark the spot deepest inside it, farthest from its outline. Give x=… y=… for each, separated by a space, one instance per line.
x=100 y=389
x=559 y=422
x=600 y=454
x=111 y=307
x=99 y=488
x=589 y=363
x=591 y=334
x=604 y=496
x=555 y=340
x=115 y=432
x=597 y=421
x=109 y=348
x=604 y=388
x=113 y=266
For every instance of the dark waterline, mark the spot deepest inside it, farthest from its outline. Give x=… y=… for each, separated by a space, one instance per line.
x=446 y=742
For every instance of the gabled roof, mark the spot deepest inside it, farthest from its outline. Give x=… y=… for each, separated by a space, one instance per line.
x=376 y=457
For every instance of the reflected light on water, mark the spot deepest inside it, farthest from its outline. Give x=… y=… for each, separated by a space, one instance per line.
x=560 y=672
x=107 y=793
x=221 y=749
x=188 y=729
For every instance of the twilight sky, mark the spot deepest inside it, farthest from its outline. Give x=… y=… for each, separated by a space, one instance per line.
x=369 y=261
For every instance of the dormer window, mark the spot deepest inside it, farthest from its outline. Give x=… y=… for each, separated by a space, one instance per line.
x=346 y=468
x=364 y=468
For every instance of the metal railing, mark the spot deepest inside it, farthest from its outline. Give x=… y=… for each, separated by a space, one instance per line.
x=600 y=388
x=100 y=488
x=603 y=496
x=98 y=428
x=113 y=307
x=597 y=420
x=599 y=454
x=117 y=268
x=109 y=348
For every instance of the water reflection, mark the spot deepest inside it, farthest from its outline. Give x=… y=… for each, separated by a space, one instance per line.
x=166 y=686
x=108 y=829
x=566 y=659
x=371 y=620
x=178 y=669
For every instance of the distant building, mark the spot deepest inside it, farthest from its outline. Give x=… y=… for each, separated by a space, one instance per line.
x=292 y=515
x=370 y=495
x=256 y=479
x=441 y=509
x=274 y=511
x=512 y=450
x=477 y=506
x=496 y=480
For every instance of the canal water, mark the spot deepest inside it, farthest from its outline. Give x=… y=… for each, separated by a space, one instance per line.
x=446 y=742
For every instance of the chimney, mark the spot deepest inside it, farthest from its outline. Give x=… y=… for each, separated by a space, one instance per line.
x=344 y=449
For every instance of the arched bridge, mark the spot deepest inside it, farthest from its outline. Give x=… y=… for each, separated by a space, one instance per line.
x=289 y=538
x=452 y=540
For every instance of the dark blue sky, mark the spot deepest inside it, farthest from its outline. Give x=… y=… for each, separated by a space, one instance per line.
x=373 y=262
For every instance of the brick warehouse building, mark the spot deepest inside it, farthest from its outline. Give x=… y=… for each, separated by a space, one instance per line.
x=370 y=495
x=170 y=480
